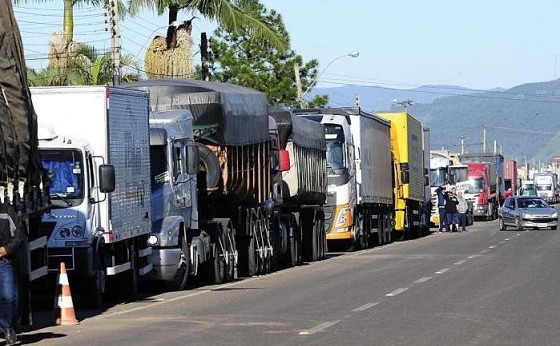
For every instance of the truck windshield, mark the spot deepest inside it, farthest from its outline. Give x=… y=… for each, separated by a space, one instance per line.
x=472 y=186
x=67 y=169
x=544 y=187
x=334 y=136
x=437 y=176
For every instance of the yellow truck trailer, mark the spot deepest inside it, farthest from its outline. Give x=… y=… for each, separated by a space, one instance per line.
x=410 y=176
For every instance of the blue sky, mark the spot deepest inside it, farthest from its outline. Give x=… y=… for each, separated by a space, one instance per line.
x=402 y=43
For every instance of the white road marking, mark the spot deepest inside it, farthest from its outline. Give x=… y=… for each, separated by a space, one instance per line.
x=365 y=307
x=474 y=256
x=424 y=279
x=483 y=251
x=441 y=271
x=492 y=247
x=319 y=328
x=396 y=292
x=506 y=239
x=460 y=262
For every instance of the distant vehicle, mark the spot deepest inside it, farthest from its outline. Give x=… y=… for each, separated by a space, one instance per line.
x=528 y=188
x=545 y=184
x=524 y=212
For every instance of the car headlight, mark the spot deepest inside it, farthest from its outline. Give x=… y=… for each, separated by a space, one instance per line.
x=77 y=231
x=555 y=215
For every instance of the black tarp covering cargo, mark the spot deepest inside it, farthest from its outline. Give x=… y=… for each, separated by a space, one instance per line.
x=19 y=157
x=18 y=123
x=306 y=181
x=239 y=113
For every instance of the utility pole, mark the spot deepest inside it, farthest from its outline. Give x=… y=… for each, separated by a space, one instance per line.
x=299 y=91
x=462 y=145
x=204 y=56
x=357 y=100
x=115 y=41
x=484 y=127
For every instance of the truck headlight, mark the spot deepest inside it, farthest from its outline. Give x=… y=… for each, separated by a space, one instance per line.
x=342 y=217
x=152 y=240
x=65 y=232
x=77 y=231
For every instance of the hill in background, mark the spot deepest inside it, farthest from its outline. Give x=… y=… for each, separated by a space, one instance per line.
x=523 y=120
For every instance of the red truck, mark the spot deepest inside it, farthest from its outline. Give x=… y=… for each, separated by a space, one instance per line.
x=510 y=178
x=480 y=189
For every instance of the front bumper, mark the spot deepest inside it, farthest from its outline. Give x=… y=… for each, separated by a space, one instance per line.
x=165 y=263
x=535 y=223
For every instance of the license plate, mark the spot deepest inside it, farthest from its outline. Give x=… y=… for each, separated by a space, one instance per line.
x=542 y=225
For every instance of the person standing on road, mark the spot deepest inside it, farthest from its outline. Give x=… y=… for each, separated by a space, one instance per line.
x=462 y=208
x=12 y=236
x=451 y=212
x=441 y=207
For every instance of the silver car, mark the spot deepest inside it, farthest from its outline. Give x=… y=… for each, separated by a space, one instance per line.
x=527 y=212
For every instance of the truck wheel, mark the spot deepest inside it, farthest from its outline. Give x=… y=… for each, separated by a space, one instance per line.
x=217 y=272
x=231 y=249
x=95 y=285
x=183 y=269
x=501 y=224
x=247 y=261
x=131 y=278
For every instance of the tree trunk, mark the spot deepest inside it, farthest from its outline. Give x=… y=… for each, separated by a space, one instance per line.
x=173 y=11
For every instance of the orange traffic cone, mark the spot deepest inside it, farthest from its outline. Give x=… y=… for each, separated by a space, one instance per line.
x=63 y=306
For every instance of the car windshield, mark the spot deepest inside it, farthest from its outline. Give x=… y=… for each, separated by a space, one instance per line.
x=532 y=203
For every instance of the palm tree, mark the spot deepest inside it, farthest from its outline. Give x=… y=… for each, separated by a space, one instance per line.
x=88 y=67
x=232 y=15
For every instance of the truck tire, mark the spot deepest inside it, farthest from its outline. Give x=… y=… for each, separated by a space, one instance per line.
x=180 y=279
x=217 y=272
x=131 y=278
x=94 y=286
x=309 y=238
x=210 y=171
x=247 y=261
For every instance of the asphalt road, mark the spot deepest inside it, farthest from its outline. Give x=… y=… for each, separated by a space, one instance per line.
x=480 y=287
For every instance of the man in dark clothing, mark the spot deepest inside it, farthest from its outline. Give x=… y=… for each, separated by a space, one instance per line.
x=441 y=207
x=451 y=212
x=12 y=235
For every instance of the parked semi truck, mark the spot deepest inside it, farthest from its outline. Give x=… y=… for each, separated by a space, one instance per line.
x=410 y=178
x=492 y=158
x=546 y=185
x=241 y=161
x=95 y=143
x=481 y=189
x=24 y=184
x=359 y=174
x=183 y=245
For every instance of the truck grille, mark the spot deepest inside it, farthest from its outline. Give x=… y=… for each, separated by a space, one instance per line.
x=58 y=255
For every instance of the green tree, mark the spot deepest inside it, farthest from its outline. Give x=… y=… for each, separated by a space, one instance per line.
x=240 y=58
x=233 y=15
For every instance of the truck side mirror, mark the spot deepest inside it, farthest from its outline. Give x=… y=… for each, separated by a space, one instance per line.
x=426 y=181
x=192 y=159
x=106 y=178
x=284 y=160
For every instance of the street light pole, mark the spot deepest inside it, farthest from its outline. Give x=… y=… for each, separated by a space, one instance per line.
x=353 y=54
